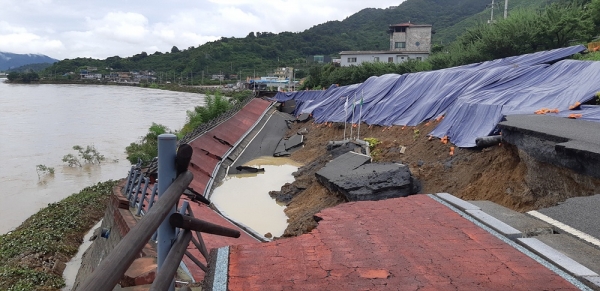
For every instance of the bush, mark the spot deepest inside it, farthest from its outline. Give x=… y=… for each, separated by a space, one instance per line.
x=89 y=154
x=44 y=170
x=215 y=106
x=147 y=147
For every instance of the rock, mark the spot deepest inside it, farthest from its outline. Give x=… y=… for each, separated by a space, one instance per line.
x=303 y=131
x=268 y=235
x=353 y=176
x=448 y=164
x=420 y=163
x=58 y=267
x=304 y=117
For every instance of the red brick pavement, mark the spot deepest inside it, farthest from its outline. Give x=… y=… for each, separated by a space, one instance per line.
x=203 y=212
x=411 y=243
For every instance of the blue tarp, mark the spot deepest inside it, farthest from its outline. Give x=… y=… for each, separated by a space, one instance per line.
x=472 y=98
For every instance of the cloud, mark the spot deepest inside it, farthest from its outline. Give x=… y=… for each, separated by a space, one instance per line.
x=19 y=40
x=120 y=26
x=99 y=29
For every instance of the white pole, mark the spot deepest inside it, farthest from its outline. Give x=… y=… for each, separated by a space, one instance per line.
x=505 y=8
x=492 y=17
x=353 y=105
x=360 y=114
x=345 y=116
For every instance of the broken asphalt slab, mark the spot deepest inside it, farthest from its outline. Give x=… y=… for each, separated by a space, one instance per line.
x=356 y=178
x=569 y=143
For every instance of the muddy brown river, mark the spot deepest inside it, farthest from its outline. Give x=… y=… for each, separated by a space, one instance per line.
x=39 y=124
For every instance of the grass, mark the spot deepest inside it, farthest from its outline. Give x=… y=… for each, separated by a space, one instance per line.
x=28 y=254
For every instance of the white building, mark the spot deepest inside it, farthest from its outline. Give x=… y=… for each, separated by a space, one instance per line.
x=407 y=41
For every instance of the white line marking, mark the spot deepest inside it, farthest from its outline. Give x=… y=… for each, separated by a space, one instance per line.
x=582 y=235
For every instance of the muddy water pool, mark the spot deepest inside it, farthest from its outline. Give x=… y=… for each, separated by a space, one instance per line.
x=245 y=198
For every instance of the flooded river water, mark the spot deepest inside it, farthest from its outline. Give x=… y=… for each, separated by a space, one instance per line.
x=39 y=124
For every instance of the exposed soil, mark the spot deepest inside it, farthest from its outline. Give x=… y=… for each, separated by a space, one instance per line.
x=497 y=174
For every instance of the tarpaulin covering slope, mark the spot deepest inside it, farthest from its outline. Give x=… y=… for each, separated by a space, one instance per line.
x=473 y=98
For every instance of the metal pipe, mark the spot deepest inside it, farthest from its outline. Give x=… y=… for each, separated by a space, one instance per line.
x=154 y=190
x=141 y=200
x=196 y=261
x=167 y=150
x=136 y=190
x=184 y=206
x=188 y=222
x=135 y=175
x=112 y=268
x=129 y=175
x=488 y=141
x=165 y=278
x=200 y=242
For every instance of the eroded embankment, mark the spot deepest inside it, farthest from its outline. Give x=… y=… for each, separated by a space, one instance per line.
x=501 y=174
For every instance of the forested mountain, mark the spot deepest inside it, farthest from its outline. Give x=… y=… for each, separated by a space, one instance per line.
x=31 y=67
x=260 y=52
x=10 y=60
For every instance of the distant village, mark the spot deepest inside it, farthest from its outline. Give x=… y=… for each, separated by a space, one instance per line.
x=281 y=78
x=406 y=41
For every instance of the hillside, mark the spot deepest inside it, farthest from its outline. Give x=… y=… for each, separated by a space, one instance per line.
x=11 y=61
x=260 y=52
x=448 y=34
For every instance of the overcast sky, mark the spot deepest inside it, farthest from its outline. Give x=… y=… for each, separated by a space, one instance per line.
x=100 y=29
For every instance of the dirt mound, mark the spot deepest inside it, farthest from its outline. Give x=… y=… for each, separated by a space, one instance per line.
x=498 y=174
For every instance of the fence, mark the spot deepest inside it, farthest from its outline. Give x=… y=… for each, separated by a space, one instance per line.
x=175 y=232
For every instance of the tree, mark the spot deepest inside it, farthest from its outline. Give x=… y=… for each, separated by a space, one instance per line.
x=560 y=25
x=174 y=49
x=13 y=76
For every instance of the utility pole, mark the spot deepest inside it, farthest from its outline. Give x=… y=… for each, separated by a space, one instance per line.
x=505 y=8
x=492 y=17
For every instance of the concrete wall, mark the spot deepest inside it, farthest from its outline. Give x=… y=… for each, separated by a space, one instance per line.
x=422 y=35
x=383 y=57
x=118 y=221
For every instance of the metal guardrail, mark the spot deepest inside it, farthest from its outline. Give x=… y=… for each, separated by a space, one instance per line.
x=172 y=244
x=112 y=268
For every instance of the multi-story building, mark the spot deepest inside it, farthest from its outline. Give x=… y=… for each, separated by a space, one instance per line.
x=407 y=41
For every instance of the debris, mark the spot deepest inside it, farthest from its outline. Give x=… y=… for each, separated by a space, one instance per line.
x=303 y=131
x=574 y=105
x=402 y=149
x=303 y=117
x=247 y=169
x=294 y=141
x=368 y=182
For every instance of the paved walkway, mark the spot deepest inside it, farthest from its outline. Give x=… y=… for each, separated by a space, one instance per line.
x=412 y=243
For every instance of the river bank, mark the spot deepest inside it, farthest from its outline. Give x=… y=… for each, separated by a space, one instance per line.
x=34 y=255
x=199 y=89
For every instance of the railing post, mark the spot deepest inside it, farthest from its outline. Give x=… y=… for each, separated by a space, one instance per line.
x=143 y=198
x=129 y=179
x=182 y=210
x=135 y=176
x=136 y=190
x=151 y=201
x=167 y=147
